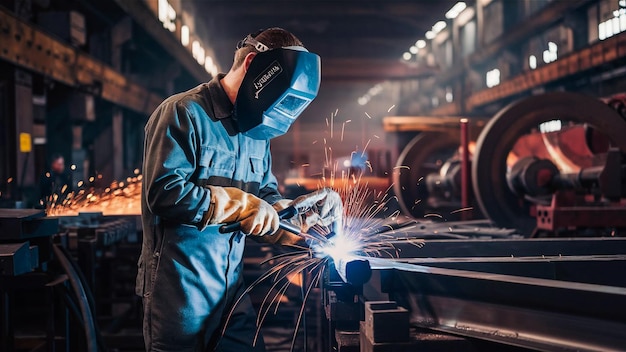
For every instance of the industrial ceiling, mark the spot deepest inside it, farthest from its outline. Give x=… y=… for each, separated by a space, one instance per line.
x=363 y=36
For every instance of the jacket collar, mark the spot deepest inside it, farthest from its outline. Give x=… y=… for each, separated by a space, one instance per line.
x=222 y=107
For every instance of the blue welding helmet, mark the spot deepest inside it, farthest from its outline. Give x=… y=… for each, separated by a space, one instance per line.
x=279 y=85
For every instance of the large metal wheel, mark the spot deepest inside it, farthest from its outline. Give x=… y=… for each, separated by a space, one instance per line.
x=424 y=154
x=489 y=167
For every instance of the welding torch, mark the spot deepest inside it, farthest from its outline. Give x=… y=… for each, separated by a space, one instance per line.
x=284 y=214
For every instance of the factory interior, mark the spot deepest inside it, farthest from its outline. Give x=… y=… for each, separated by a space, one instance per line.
x=455 y=179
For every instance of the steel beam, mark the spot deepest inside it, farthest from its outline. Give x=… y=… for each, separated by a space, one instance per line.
x=512 y=248
x=139 y=11
x=594 y=56
x=429 y=123
x=529 y=312
x=27 y=46
x=534 y=24
x=558 y=302
x=374 y=70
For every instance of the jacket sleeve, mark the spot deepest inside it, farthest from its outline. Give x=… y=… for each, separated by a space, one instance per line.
x=169 y=162
x=269 y=186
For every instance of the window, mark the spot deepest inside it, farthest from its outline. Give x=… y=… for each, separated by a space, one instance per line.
x=449 y=95
x=468 y=38
x=614 y=25
x=532 y=62
x=494 y=21
x=551 y=54
x=611 y=18
x=493 y=78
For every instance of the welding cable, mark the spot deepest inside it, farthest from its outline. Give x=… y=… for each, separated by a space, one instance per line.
x=64 y=293
x=90 y=298
x=79 y=290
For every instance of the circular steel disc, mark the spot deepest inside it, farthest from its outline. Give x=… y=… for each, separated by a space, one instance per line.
x=498 y=137
x=423 y=155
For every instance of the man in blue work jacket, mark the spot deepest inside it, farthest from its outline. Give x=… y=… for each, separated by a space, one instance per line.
x=207 y=162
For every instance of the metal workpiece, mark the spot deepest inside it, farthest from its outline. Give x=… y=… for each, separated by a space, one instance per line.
x=21 y=224
x=539 y=293
x=386 y=322
x=18 y=258
x=353 y=270
x=536 y=313
x=511 y=247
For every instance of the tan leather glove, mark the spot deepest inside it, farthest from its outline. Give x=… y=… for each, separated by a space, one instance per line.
x=230 y=204
x=282 y=237
x=326 y=211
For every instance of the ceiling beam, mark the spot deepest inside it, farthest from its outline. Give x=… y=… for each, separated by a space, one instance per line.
x=372 y=69
x=139 y=11
x=412 y=9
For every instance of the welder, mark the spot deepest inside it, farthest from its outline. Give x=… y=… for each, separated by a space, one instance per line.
x=207 y=163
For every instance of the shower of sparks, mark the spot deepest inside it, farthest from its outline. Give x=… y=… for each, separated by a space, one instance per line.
x=391 y=108
x=343 y=127
x=366 y=145
x=368 y=115
x=367 y=232
x=461 y=210
x=119 y=198
x=433 y=215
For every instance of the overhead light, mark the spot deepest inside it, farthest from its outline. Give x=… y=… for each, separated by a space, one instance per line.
x=407 y=56
x=456 y=10
x=532 y=62
x=552 y=46
x=363 y=100
x=413 y=49
x=430 y=35
x=420 y=44
x=493 y=78
x=208 y=64
x=184 y=35
x=439 y=26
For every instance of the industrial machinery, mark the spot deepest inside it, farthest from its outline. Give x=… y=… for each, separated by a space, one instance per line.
x=540 y=273
x=547 y=162
x=471 y=287
x=427 y=173
x=66 y=283
x=579 y=183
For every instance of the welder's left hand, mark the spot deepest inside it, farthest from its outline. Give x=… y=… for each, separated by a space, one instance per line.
x=326 y=210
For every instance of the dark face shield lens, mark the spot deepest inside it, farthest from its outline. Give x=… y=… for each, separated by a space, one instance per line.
x=292 y=105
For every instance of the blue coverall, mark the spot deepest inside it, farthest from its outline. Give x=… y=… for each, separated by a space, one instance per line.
x=190 y=277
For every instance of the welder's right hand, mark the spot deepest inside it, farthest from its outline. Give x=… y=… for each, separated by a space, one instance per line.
x=230 y=204
x=327 y=210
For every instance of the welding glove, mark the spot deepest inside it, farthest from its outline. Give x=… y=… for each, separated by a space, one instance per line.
x=230 y=204
x=327 y=210
x=283 y=237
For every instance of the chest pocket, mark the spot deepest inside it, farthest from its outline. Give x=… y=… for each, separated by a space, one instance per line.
x=216 y=162
x=255 y=173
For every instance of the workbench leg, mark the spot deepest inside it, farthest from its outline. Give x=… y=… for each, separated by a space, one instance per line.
x=7 y=342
